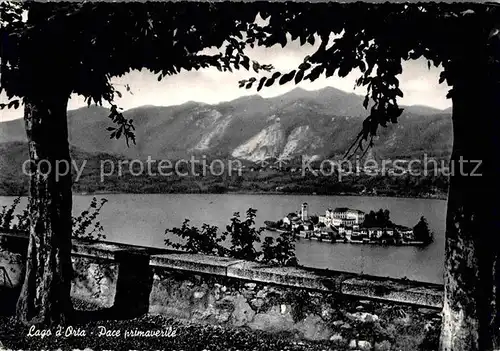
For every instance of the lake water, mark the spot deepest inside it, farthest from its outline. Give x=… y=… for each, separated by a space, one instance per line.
x=141 y=219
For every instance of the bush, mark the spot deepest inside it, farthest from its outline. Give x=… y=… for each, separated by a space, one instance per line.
x=85 y=226
x=203 y=241
x=243 y=236
x=7 y=215
x=282 y=253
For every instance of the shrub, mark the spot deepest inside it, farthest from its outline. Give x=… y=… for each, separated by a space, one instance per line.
x=7 y=214
x=243 y=234
x=282 y=253
x=85 y=226
x=203 y=241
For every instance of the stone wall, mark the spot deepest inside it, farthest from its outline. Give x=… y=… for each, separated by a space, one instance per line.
x=353 y=311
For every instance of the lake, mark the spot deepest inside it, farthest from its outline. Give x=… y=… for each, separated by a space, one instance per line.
x=141 y=219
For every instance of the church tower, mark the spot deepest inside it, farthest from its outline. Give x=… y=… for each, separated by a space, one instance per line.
x=304 y=215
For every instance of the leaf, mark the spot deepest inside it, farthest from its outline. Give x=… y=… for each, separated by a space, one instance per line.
x=246 y=63
x=110 y=129
x=275 y=75
x=344 y=69
x=330 y=71
x=316 y=71
x=261 y=83
x=442 y=77
x=304 y=66
x=119 y=94
x=15 y=104
x=302 y=39
x=299 y=76
x=282 y=41
x=269 y=82
x=255 y=66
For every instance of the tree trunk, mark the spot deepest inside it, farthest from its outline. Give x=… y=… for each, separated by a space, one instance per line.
x=45 y=293
x=472 y=271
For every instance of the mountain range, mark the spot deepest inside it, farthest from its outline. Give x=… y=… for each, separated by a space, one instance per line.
x=319 y=123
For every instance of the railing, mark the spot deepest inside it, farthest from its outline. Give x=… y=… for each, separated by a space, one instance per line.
x=344 y=283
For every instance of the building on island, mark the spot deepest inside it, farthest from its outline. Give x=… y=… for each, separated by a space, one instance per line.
x=343 y=223
x=295 y=221
x=345 y=213
x=406 y=233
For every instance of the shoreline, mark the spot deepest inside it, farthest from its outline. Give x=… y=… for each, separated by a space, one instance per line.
x=350 y=242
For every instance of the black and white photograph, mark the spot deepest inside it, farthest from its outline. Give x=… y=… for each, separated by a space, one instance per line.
x=250 y=175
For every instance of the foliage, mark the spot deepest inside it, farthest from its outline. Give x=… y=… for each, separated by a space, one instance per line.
x=205 y=241
x=352 y=37
x=282 y=252
x=244 y=235
x=7 y=215
x=85 y=226
x=381 y=218
x=422 y=232
x=164 y=38
x=23 y=222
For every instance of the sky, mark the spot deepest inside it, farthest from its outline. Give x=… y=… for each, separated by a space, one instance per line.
x=418 y=83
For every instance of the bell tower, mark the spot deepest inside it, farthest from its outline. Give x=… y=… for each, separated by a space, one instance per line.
x=304 y=215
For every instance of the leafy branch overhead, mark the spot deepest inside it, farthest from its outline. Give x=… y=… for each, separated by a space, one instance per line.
x=124 y=127
x=79 y=58
x=169 y=37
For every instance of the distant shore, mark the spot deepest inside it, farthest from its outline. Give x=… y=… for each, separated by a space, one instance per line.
x=402 y=195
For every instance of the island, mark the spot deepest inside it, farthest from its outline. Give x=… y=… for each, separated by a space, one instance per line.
x=352 y=226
